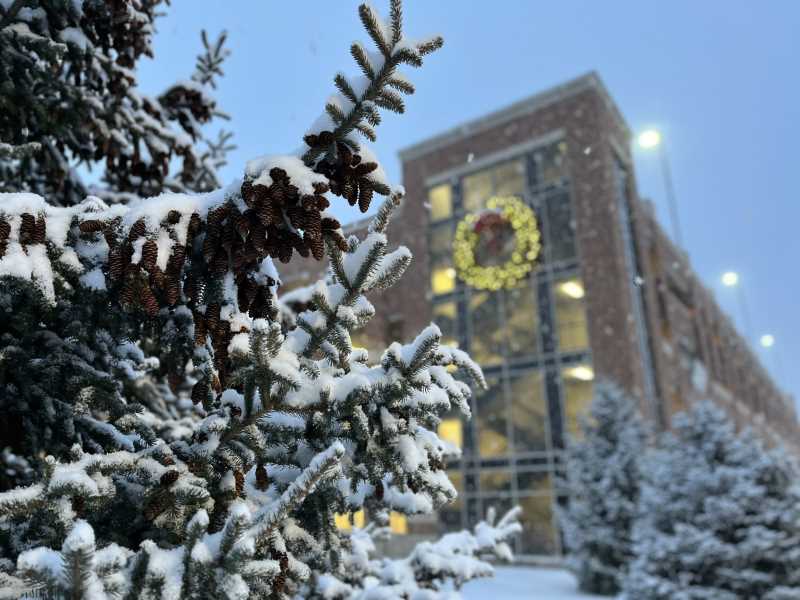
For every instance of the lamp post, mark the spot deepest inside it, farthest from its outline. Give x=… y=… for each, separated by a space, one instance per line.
x=731 y=279
x=649 y=139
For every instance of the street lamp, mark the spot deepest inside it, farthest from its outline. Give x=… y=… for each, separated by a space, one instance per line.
x=731 y=279
x=649 y=139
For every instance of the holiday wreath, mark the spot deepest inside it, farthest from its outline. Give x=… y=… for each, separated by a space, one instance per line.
x=497 y=247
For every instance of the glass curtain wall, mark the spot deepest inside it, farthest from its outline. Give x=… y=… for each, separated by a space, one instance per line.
x=531 y=341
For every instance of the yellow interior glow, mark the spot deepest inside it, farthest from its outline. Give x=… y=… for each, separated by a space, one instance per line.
x=581 y=372
x=572 y=288
x=450 y=430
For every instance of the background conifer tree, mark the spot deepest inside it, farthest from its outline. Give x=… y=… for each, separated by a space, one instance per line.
x=719 y=516
x=602 y=484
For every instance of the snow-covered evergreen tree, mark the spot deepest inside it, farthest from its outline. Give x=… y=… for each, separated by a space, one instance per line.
x=183 y=441
x=602 y=485
x=69 y=97
x=720 y=516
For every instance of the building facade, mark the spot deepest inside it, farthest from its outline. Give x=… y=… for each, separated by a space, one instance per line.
x=609 y=298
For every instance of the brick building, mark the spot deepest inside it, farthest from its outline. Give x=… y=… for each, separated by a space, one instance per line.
x=610 y=298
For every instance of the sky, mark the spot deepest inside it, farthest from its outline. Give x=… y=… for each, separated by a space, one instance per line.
x=718 y=78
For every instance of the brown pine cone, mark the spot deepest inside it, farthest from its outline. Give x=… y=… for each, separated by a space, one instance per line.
x=149 y=254
x=138 y=230
x=26 y=228
x=262 y=479
x=5 y=229
x=170 y=477
x=239 y=478
x=39 y=231
x=199 y=392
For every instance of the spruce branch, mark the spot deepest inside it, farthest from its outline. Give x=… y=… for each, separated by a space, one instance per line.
x=381 y=74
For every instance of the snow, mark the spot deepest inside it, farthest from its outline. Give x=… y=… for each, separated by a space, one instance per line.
x=301 y=176
x=526 y=582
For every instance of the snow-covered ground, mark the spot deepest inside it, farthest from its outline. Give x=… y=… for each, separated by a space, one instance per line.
x=526 y=582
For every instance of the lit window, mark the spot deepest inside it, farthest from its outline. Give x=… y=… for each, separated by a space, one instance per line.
x=440 y=199
x=343 y=522
x=451 y=430
x=571 y=315
x=443 y=280
x=578 y=389
x=443 y=275
x=398 y=523
x=477 y=189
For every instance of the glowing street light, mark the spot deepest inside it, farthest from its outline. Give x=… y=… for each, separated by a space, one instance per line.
x=649 y=139
x=767 y=340
x=730 y=279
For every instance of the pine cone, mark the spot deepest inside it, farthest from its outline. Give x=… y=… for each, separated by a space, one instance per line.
x=39 y=231
x=138 y=230
x=239 y=478
x=170 y=477
x=379 y=491
x=26 y=228
x=262 y=479
x=149 y=254
x=199 y=392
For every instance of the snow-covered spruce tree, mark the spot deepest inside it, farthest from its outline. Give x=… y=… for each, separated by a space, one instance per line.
x=69 y=98
x=230 y=491
x=720 y=517
x=602 y=487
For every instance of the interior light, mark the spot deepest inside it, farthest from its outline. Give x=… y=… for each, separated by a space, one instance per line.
x=581 y=372
x=573 y=289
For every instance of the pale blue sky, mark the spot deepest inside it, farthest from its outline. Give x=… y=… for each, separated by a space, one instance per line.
x=720 y=78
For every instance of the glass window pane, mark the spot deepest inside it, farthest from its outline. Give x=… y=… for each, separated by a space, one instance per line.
x=534 y=482
x=538 y=535
x=561 y=227
x=443 y=275
x=522 y=316
x=528 y=412
x=486 y=340
x=440 y=199
x=450 y=514
x=571 y=314
x=492 y=421
x=495 y=480
x=550 y=164
x=451 y=429
x=445 y=315
x=477 y=189
x=577 y=385
x=509 y=179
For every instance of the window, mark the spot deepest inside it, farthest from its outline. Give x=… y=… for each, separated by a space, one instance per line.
x=477 y=189
x=492 y=421
x=578 y=388
x=528 y=412
x=495 y=480
x=445 y=315
x=560 y=227
x=534 y=482
x=550 y=164
x=571 y=315
x=505 y=179
x=451 y=430
x=509 y=179
x=440 y=199
x=538 y=535
x=443 y=275
x=522 y=320
x=486 y=340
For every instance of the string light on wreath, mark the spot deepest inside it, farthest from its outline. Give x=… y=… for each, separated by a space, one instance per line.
x=497 y=247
